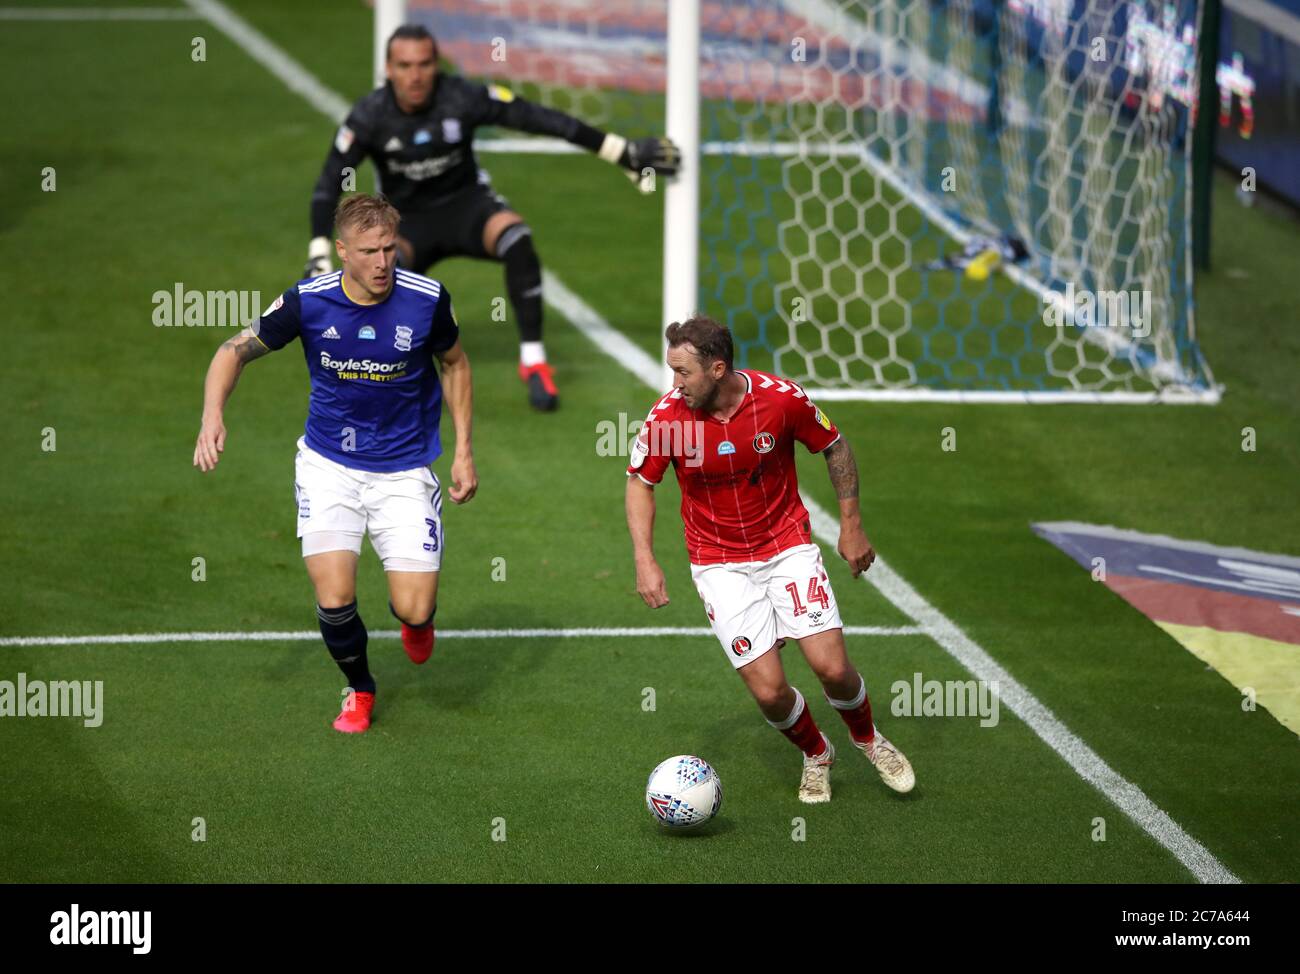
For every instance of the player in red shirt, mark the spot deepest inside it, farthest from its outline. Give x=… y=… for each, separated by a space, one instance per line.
x=729 y=435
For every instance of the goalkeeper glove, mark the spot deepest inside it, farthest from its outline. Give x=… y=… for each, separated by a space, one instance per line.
x=658 y=155
x=318 y=258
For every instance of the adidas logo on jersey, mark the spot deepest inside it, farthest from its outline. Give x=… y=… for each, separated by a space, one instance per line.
x=394 y=145
x=331 y=332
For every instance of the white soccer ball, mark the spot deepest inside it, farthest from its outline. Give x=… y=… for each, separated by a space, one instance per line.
x=683 y=792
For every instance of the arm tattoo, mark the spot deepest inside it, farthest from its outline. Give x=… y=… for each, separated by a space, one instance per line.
x=246 y=346
x=843 y=469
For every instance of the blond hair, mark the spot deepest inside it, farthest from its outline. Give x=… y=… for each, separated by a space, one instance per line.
x=364 y=211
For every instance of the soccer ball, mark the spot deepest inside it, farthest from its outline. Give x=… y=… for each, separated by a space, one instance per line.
x=683 y=792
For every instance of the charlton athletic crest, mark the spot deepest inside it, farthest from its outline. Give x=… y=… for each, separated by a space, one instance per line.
x=740 y=646
x=764 y=443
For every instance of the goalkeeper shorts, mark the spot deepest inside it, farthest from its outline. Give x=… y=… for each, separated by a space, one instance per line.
x=452 y=227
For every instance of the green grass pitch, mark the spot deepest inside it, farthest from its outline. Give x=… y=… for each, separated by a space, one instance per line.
x=171 y=171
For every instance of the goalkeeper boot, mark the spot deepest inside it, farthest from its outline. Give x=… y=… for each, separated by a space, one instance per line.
x=895 y=770
x=354 y=718
x=542 y=394
x=815 y=785
x=418 y=642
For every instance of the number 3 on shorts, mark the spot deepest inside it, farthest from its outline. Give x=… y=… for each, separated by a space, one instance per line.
x=433 y=533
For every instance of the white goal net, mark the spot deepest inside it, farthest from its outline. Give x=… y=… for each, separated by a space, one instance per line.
x=985 y=199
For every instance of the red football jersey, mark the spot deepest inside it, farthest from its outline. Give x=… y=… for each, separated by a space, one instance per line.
x=740 y=493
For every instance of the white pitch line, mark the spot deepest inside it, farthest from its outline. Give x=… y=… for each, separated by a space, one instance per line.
x=1125 y=795
x=312 y=635
x=99 y=14
x=261 y=49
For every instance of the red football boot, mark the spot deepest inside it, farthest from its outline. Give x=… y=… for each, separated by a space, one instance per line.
x=355 y=715
x=418 y=642
x=542 y=393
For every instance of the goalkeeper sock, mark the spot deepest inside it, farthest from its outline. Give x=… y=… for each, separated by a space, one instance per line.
x=801 y=729
x=523 y=279
x=856 y=714
x=345 y=638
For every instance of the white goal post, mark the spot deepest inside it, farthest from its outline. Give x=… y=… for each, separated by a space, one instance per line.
x=682 y=194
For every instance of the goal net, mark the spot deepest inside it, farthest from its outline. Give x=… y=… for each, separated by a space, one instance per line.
x=984 y=199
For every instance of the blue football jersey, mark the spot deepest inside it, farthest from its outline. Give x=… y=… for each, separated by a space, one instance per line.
x=376 y=400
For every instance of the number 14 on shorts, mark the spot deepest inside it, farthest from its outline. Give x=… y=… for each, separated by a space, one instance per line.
x=816 y=593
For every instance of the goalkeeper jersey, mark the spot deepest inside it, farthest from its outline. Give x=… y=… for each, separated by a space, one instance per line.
x=427 y=156
x=376 y=400
x=740 y=492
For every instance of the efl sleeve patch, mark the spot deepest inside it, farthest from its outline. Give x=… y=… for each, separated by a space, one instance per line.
x=500 y=93
x=646 y=462
x=281 y=323
x=639 y=452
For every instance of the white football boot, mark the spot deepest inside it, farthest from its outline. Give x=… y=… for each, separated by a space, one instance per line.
x=895 y=770
x=815 y=785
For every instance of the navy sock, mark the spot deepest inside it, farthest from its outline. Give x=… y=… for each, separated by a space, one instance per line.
x=345 y=637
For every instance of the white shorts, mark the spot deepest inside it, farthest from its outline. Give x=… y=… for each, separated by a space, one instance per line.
x=338 y=505
x=752 y=604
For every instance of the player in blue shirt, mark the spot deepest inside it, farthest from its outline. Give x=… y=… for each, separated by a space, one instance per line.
x=370 y=333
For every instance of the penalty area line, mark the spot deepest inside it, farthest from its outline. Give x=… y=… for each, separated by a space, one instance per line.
x=309 y=635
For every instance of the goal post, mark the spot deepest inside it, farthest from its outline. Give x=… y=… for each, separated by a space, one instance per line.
x=682 y=194
x=389 y=15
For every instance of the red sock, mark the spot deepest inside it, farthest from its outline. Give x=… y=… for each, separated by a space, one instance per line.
x=856 y=714
x=801 y=729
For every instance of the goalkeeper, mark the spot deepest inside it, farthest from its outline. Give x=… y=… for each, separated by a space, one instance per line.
x=419 y=131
